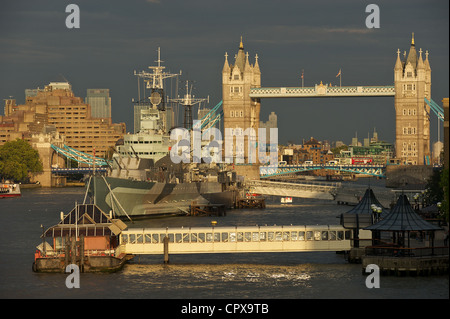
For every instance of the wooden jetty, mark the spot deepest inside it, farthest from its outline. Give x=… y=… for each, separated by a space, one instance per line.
x=250 y=202
x=408 y=262
x=207 y=209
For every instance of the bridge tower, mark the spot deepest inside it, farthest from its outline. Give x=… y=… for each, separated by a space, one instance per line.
x=412 y=81
x=43 y=144
x=240 y=111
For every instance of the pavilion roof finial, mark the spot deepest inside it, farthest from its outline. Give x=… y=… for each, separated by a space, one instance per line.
x=412 y=40
x=241 y=45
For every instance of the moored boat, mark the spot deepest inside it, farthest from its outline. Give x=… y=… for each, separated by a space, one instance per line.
x=8 y=189
x=85 y=237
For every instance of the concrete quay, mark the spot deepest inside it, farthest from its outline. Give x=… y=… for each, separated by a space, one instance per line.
x=415 y=261
x=409 y=266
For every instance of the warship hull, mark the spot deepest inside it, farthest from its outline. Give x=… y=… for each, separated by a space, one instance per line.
x=133 y=198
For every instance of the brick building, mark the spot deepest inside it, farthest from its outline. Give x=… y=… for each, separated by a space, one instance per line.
x=57 y=108
x=316 y=152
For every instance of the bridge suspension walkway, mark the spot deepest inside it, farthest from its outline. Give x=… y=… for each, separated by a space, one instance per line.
x=367 y=169
x=81 y=157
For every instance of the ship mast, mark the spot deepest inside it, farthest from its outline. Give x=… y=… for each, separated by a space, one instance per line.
x=155 y=83
x=188 y=101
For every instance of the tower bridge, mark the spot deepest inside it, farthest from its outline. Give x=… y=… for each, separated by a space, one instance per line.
x=242 y=93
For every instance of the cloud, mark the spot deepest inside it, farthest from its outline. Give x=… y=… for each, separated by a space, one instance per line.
x=287 y=34
x=348 y=30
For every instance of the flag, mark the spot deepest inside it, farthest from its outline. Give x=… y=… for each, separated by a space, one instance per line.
x=339 y=73
x=302 y=74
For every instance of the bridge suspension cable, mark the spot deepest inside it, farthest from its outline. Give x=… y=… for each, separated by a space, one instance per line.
x=436 y=108
x=209 y=117
x=81 y=157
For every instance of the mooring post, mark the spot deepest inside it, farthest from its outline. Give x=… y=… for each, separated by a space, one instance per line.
x=73 y=250
x=67 y=252
x=82 y=253
x=166 y=249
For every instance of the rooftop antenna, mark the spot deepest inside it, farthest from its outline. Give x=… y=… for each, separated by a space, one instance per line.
x=64 y=78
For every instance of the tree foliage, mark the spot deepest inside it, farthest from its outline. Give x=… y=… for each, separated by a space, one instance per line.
x=337 y=150
x=434 y=192
x=444 y=183
x=17 y=160
x=437 y=191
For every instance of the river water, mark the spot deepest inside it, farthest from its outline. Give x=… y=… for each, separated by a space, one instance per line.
x=324 y=275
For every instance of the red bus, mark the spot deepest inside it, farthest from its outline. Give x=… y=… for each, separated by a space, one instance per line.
x=362 y=160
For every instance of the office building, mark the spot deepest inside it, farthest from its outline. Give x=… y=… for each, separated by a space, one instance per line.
x=100 y=103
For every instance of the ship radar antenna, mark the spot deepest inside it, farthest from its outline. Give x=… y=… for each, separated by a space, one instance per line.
x=154 y=81
x=188 y=101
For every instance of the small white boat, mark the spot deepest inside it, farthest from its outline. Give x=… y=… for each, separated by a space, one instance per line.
x=286 y=200
x=9 y=190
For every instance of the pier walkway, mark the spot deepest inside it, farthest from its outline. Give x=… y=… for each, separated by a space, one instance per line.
x=197 y=240
x=319 y=190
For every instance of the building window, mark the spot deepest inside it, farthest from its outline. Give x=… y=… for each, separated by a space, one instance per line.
x=242 y=113
x=232 y=114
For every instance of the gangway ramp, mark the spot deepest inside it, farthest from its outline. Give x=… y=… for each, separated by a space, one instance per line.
x=318 y=190
x=249 y=239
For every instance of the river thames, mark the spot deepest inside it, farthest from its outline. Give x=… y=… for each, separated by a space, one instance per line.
x=308 y=275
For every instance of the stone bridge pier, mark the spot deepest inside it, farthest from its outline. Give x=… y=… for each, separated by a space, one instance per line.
x=43 y=144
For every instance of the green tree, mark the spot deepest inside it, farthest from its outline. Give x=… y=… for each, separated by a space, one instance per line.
x=17 y=160
x=337 y=150
x=437 y=190
x=434 y=192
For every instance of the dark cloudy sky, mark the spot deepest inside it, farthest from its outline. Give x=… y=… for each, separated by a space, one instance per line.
x=117 y=37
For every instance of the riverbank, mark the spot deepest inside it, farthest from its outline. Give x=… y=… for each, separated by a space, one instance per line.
x=68 y=184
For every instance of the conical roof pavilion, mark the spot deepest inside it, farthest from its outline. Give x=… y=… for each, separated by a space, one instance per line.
x=365 y=204
x=362 y=215
x=403 y=218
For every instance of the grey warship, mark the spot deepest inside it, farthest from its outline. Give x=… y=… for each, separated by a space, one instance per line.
x=142 y=179
x=162 y=191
